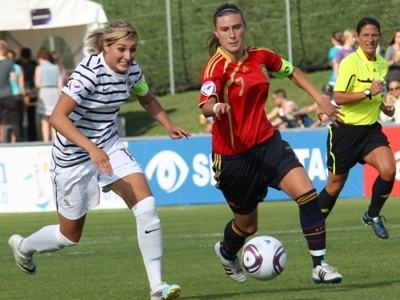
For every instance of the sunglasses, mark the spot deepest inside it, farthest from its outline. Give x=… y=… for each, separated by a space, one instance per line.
x=395 y=88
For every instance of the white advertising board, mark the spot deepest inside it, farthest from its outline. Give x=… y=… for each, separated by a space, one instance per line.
x=25 y=184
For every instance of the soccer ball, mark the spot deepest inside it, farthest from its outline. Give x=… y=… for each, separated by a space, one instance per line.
x=264 y=257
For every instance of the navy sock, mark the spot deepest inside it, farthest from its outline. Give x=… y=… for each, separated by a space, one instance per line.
x=234 y=240
x=317 y=260
x=313 y=225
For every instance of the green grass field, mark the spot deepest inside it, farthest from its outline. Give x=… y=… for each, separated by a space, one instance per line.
x=107 y=263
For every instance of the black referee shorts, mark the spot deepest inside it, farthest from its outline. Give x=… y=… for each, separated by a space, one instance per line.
x=349 y=144
x=244 y=178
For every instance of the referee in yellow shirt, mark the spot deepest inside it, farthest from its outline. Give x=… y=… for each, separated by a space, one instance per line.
x=358 y=138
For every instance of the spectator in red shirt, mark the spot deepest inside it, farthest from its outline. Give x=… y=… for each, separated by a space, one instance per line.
x=248 y=154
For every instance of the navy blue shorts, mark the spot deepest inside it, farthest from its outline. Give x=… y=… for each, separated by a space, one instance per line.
x=244 y=178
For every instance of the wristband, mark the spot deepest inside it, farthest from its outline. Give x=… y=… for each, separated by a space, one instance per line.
x=215 y=107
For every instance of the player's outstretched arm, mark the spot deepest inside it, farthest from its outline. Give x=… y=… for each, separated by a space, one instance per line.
x=154 y=108
x=325 y=106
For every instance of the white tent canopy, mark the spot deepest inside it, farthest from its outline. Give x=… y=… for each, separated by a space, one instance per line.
x=28 y=23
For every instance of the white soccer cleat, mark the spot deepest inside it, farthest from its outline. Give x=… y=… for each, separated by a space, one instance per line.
x=164 y=291
x=326 y=274
x=26 y=264
x=232 y=267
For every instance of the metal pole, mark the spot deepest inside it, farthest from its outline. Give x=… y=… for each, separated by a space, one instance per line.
x=51 y=43
x=289 y=32
x=170 y=49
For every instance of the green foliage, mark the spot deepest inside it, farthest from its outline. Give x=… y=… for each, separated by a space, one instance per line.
x=107 y=263
x=311 y=25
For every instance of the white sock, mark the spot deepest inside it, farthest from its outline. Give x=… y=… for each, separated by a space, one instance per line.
x=149 y=235
x=47 y=239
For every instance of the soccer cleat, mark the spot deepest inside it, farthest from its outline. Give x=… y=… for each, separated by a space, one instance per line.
x=165 y=291
x=326 y=274
x=26 y=264
x=377 y=225
x=232 y=267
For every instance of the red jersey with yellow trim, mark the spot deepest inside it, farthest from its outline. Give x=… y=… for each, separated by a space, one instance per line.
x=244 y=86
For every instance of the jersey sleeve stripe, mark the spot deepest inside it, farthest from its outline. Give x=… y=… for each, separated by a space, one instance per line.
x=211 y=65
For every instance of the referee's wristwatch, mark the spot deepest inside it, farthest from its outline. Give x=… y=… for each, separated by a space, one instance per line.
x=368 y=94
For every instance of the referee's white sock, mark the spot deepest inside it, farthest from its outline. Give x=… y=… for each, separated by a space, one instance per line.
x=149 y=238
x=47 y=239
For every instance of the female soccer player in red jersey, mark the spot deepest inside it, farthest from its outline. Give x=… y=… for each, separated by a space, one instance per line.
x=248 y=154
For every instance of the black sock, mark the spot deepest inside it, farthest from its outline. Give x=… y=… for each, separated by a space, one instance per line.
x=234 y=240
x=326 y=202
x=380 y=192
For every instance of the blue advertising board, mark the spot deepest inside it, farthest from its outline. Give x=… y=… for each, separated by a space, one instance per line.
x=180 y=171
x=310 y=147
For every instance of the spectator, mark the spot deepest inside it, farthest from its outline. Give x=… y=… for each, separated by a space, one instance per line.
x=6 y=96
x=49 y=82
x=323 y=120
x=392 y=98
x=349 y=39
x=63 y=70
x=337 y=42
x=16 y=113
x=392 y=55
x=282 y=115
x=28 y=66
x=209 y=122
x=305 y=120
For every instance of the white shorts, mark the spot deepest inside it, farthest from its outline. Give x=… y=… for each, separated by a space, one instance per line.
x=76 y=189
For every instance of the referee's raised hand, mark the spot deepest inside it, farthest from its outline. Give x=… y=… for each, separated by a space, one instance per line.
x=377 y=86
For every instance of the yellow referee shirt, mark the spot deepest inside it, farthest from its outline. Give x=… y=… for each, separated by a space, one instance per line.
x=356 y=73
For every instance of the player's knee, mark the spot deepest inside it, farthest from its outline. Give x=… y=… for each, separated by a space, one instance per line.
x=146 y=207
x=69 y=243
x=245 y=228
x=308 y=197
x=252 y=232
x=334 y=188
x=73 y=237
x=389 y=173
x=66 y=241
x=249 y=229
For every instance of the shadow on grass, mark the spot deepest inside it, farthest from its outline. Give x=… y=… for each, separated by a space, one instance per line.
x=138 y=123
x=328 y=288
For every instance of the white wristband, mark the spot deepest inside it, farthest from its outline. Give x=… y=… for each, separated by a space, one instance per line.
x=215 y=107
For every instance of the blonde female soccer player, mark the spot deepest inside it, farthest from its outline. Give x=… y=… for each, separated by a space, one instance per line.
x=88 y=153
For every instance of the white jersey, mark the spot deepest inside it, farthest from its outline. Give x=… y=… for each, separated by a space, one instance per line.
x=99 y=92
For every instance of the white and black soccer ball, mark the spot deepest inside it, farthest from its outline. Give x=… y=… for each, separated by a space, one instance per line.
x=264 y=257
